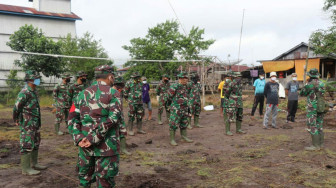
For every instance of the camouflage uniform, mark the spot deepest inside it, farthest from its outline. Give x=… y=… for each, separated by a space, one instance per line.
x=26 y=113
x=195 y=100
x=97 y=116
x=161 y=91
x=75 y=89
x=312 y=90
x=178 y=96
x=233 y=111
x=62 y=103
x=225 y=87
x=133 y=94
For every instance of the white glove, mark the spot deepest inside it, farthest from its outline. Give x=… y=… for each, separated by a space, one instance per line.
x=157 y=98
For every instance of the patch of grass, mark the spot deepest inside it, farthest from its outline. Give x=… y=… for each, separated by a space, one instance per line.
x=4 y=150
x=145 y=156
x=46 y=101
x=205 y=172
x=153 y=163
x=5 y=166
x=253 y=153
x=10 y=134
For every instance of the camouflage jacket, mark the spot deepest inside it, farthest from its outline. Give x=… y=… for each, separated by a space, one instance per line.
x=61 y=95
x=195 y=94
x=225 y=87
x=178 y=96
x=312 y=89
x=133 y=92
x=97 y=116
x=233 y=95
x=27 y=109
x=74 y=90
x=162 y=89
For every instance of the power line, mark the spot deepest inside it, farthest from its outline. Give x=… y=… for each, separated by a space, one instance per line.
x=177 y=17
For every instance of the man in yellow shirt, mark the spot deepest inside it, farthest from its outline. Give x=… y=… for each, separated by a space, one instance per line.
x=220 y=89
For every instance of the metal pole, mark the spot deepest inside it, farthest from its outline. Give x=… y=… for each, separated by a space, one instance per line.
x=305 y=68
x=203 y=88
x=241 y=33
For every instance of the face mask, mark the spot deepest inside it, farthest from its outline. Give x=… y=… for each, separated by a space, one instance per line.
x=261 y=77
x=227 y=80
x=83 y=80
x=67 y=80
x=273 y=78
x=294 y=78
x=37 y=82
x=166 y=81
x=144 y=82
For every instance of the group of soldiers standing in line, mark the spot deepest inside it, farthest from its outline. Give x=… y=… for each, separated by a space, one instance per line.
x=94 y=116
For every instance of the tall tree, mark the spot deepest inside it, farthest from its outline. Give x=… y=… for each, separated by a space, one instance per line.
x=164 y=42
x=30 y=39
x=85 y=46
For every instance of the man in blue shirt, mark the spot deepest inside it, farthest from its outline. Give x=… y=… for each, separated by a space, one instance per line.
x=259 y=85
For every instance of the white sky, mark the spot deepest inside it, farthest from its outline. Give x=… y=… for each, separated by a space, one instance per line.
x=271 y=27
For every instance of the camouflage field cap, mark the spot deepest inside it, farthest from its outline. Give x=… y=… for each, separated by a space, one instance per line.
x=182 y=75
x=135 y=75
x=104 y=69
x=32 y=75
x=165 y=76
x=80 y=73
x=119 y=80
x=66 y=75
x=313 y=73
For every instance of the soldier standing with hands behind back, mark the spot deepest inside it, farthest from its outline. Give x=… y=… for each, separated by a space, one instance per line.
x=27 y=115
x=161 y=92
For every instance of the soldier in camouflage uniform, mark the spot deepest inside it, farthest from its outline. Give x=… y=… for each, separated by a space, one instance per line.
x=133 y=95
x=314 y=89
x=119 y=86
x=62 y=99
x=161 y=91
x=195 y=100
x=228 y=80
x=78 y=86
x=96 y=124
x=178 y=96
x=233 y=111
x=27 y=115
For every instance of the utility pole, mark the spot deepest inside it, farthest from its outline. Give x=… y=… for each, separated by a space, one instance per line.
x=306 y=66
x=241 y=33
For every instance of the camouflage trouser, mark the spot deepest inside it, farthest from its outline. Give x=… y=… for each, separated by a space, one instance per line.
x=195 y=108
x=163 y=105
x=178 y=118
x=30 y=138
x=135 y=111
x=101 y=169
x=234 y=114
x=62 y=114
x=314 y=122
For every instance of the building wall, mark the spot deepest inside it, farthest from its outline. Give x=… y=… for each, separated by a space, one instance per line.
x=57 y=6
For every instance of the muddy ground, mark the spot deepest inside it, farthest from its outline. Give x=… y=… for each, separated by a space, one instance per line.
x=260 y=158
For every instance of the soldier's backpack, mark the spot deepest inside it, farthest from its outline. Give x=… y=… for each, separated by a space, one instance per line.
x=322 y=105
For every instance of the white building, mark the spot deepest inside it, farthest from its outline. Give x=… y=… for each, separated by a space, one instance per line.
x=54 y=17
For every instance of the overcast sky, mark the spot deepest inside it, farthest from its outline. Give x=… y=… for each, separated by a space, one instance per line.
x=271 y=27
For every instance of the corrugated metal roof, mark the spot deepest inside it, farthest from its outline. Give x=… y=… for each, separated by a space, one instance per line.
x=27 y=11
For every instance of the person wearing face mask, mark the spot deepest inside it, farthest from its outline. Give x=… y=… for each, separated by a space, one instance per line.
x=258 y=86
x=27 y=115
x=78 y=86
x=195 y=101
x=271 y=93
x=233 y=111
x=161 y=92
x=178 y=97
x=133 y=94
x=97 y=126
x=146 y=98
x=62 y=102
x=292 y=88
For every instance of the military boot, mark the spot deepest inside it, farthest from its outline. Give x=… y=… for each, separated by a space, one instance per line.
x=130 y=128
x=196 y=122
x=172 y=138
x=227 y=126
x=321 y=143
x=159 y=118
x=189 y=123
x=123 y=146
x=184 y=135
x=238 y=128
x=57 y=129
x=25 y=165
x=139 y=127
x=315 y=143
x=34 y=158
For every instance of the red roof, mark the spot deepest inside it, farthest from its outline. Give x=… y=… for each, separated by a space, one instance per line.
x=241 y=68
x=10 y=9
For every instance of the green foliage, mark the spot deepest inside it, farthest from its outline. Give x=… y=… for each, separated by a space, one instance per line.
x=85 y=46
x=163 y=42
x=30 y=39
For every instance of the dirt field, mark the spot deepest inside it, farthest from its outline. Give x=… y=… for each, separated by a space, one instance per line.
x=260 y=158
